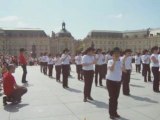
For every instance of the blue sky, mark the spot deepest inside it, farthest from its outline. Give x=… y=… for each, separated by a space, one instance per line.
x=81 y=16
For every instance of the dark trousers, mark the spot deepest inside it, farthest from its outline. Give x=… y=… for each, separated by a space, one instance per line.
x=98 y=71
x=138 y=68
x=146 y=70
x=104 y=70
x=24 y=67
x=65 y=73
x=50 y=70
x=113 y=91
x=126 y=81
x=58 y=72
x=155 y=71
x=79 y=71
x=18 y=93
x=88 y=80
x=45 y=68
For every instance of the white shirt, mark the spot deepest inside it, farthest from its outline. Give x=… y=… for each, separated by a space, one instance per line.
x=100 y=59
x=88 y=59
x=40 y=59
x=65 y=59
x=78 y=60
x=145 y=59
x=152 y=63
x=57 y=61
x=107 y=58
x=128 y=62
x=45 y=58
x=116 y=74
x=50 y=61
x=159 y=61
x=137 y=60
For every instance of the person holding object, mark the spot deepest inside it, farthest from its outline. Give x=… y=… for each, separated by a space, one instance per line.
x=114 y=76
x=23 y=63
x=12 y=91
x=88 y=62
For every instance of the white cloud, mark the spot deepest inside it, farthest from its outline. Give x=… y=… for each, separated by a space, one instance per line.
x=12 y=21
x=9 y=19
x=118 y=16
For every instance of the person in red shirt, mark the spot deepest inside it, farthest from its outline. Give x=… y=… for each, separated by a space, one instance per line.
x=23 y=63
x=12 y=91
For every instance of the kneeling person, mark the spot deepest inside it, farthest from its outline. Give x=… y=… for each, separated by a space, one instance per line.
x=12 y=91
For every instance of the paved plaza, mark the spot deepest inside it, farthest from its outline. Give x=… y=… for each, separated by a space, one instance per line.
x=47 y=100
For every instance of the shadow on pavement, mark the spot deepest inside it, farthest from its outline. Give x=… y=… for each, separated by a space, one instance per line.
x=143 y=99
x=73 y=90
x=139 y=86
x=14 y=108
x=99 y=104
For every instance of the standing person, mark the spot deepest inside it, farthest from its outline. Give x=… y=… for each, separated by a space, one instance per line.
x=99 y=67
x=107 y=58
x=23 y=63
x=88 y=62
x=146 y=65
x=138 y=62
x=78 y=61
x=11 y=89
x=127 y=63
x=45 y=61
x=66 y=58
x=155 y=68
x=114 y=76
x=58 y=67
x=41 y=62
x=50 y=65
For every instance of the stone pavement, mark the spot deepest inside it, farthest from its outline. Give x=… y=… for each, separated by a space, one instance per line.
x=47 y=100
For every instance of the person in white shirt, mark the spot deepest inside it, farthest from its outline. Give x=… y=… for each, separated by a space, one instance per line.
x=41 y=62
x=88 y=62
x=78 y=61
x=155 y=68
x=107 y=58
x=114 y=76
x=138 y=62
x=127 y=62
x=66 y=59
x=50 y=65
x=45 y=61
x=99 y=66
x=146 y=65
x=58 y=67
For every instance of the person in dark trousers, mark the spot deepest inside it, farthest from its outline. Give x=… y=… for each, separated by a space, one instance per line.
x=99 y=67
x=41 y=62
x=58 y=67
x=127 y=62
x=12 y=91
x=50 y=65
x=114 y=76
x=23 y=63
x=146 y=66
x=88 y=62
x=78 y=61
x=138 y=62
x=66 y=58
x=155 y=68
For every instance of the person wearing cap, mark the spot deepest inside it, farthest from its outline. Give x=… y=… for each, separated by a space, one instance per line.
x=99 y=67
x=146 y=66
x=12 y=91
x=127 y=63
x=113 y=77
x=88 y=62
x=23 y=63
x=66 y=59
x=155 y=68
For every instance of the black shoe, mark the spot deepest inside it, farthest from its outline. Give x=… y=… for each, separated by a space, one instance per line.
x=157 y=91
x=117 y=115
x=85 y=100
x=101 y=85
x=4 y=100
x=90 y=98
x=67 y=87
x=127 y=94
x=112 y=117
x=24 y=81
